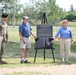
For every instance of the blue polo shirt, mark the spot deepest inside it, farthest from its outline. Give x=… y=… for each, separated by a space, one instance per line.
x=65 y=33
x=25 y=29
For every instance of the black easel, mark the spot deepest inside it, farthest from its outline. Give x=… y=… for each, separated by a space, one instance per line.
x=44 y=21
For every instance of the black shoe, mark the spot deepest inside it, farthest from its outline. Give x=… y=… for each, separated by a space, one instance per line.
x=21 y=61
x=66 y=62
x=26 y=61
x=3 y=62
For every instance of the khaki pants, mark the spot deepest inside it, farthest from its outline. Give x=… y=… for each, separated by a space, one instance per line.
x=65 y=48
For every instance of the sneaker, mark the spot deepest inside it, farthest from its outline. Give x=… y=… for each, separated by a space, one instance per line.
x=26 y=61
x=21 y=61
x=3 y=62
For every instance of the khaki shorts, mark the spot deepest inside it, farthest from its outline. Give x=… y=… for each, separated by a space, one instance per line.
x=27 y=45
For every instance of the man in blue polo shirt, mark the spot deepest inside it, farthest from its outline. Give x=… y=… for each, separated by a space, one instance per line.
x=25 y=31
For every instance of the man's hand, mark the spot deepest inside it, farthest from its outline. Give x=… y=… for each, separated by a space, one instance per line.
x=52 y=42
x=24 y=41
x=36 y=39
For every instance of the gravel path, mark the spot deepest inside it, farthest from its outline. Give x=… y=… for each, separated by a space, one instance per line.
x=54 y=70
x=63 y=69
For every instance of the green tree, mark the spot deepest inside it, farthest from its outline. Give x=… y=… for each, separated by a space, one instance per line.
x=71 y=16
x=52 y=10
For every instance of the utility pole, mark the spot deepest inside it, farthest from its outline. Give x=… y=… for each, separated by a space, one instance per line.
x=14 y=10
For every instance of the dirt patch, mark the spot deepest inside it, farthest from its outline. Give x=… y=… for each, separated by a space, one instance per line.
x=54 y=70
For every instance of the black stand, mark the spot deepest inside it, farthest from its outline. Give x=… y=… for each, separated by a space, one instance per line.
x=44 y=55
x=42 y=43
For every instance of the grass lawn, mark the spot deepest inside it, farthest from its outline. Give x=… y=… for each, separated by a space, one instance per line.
x=12 y=53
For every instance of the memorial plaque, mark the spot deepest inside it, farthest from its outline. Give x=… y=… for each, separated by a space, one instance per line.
x=44 y=31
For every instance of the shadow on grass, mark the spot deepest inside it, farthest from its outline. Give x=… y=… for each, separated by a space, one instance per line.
x=12 y=50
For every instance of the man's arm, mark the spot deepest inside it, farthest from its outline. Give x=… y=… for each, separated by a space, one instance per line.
x=5 y=33
x=33 y=34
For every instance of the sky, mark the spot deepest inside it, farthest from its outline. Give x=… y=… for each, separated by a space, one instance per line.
x=65 y=4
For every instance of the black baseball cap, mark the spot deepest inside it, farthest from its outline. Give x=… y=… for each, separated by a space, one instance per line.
x=4 y=15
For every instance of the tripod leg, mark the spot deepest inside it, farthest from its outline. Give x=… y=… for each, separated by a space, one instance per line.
x=44 y=54
x=35 y=55
x=53 y=55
